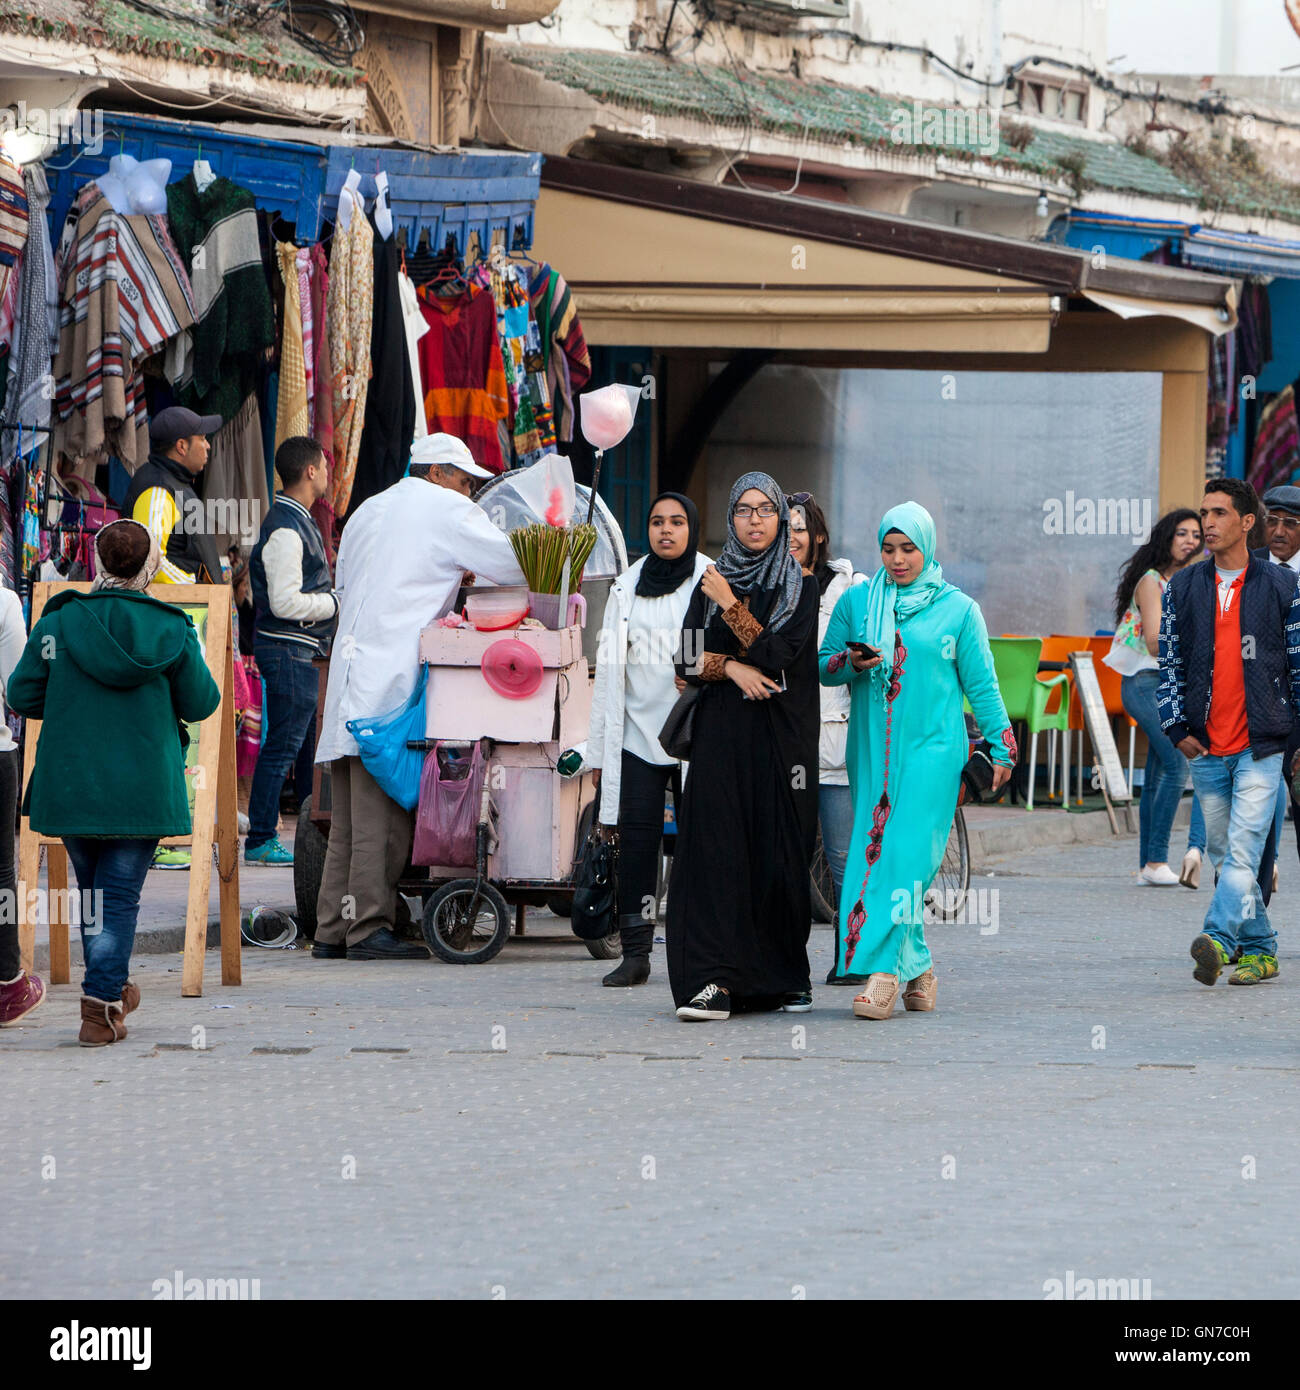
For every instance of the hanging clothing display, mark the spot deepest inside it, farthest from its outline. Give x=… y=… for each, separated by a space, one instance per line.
x=236 y=474
x=125 y=293
x=465 y=391
x=1277 y=443
x=13 y=216
x=321 y=405
x=348 y=315
x=565 y=358
x=390 y=403
x=215 y=231
x=415 y=328
x=291 y=410
x=36 y=316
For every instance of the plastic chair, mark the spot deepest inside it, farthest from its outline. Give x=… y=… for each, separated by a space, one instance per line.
x=1058 y=648
x=1026 y=695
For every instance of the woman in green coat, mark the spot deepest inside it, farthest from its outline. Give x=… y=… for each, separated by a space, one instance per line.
x=906 y=749
x=111 y=674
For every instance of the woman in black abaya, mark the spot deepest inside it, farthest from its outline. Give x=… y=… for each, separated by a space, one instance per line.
x=738 y=902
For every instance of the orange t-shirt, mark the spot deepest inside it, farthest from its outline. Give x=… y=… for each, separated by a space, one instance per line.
x=1226 y=726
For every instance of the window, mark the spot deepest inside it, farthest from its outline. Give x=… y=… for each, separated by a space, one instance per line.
x=1060 y=100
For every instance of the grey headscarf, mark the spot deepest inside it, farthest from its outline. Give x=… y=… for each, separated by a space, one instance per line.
x=773 y=571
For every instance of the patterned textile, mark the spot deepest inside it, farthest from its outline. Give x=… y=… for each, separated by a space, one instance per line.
x=303 y=262
x=10 y=277
x=348 y=319
x=216 y=234
x=566 y=360
x=13 y=214
x=291 y=409
x=125 y=293
x=28 y=399
x=465 y=390
x=1277 y=443
x=322 y=424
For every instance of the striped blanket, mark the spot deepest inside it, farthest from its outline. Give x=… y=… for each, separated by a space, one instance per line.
x=125 y=293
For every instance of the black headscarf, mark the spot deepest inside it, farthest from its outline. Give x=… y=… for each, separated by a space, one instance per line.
x=659 y=576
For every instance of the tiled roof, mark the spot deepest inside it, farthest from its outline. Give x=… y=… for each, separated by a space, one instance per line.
x=825 y=111
x=121 y=27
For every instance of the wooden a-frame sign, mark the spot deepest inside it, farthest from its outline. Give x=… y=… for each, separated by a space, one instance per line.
x=215 y=799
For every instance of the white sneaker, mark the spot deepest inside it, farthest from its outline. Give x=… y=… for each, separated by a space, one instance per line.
x=1162 y=876
x=1190 y=877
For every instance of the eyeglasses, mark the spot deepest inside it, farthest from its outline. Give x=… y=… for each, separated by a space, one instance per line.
x=764 y=509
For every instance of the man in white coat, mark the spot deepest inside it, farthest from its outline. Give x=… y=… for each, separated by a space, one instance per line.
x=402 y=559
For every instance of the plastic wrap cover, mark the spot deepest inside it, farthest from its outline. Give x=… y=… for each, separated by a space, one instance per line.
x=1040 y=483
x=500 y=499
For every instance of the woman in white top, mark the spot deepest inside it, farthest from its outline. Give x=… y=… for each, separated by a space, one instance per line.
x=1174 y=542
x=810 y=545
x=634 y=692
x=19 y=992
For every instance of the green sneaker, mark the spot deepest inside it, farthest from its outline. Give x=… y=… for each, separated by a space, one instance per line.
x=271 y=852
x=1254 y=970
x=1210 y=958
x=170 y=857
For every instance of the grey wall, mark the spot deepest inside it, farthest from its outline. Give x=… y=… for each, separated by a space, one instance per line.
x=986 y=452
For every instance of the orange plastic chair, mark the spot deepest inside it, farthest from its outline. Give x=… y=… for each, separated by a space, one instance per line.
x=1064 y=644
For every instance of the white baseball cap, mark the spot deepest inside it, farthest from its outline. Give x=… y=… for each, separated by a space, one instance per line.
x=447 y=449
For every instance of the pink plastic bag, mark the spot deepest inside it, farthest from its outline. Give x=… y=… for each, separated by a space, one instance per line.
x=451 y=788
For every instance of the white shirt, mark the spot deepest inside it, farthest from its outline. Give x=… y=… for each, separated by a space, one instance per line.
x=653 y=634
x=400 y=564
x=13 y=638
x=1293 y=563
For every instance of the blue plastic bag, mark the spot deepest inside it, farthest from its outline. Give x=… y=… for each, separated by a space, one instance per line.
x=384 y=754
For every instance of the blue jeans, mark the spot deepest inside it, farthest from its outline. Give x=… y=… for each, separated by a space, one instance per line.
x=1166 y=769
x=291 y=684
x=1196 y=829
x=835 y=810
x=1238 y=795
x=110 y=874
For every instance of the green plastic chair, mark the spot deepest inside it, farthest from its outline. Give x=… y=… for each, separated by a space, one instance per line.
x=1015 y=662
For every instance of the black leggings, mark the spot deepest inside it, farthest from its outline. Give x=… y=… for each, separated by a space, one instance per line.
x=640 y=834
x=9 y=966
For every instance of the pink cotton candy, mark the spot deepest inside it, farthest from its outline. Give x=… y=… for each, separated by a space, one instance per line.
x=555 y=511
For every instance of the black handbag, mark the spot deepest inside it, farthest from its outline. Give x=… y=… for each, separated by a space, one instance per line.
x=595 y=898
x=679 y=728
x=977 y=775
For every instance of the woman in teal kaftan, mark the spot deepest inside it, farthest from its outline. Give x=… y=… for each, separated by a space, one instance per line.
x=907 y=746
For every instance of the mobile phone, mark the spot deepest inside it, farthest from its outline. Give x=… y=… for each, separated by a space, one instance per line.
x=862 y=649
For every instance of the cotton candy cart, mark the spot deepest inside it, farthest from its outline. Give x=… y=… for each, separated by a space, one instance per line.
x=533 y=818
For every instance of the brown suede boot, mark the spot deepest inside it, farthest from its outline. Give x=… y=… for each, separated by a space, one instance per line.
x=101 y=1022
x=130 y=997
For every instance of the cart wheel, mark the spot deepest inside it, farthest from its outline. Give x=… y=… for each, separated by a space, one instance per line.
x=606 y=947
x=454 y=938
x=309 y=847
x=823 y=885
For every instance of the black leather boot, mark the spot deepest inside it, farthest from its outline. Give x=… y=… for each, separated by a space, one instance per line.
x=637 y=936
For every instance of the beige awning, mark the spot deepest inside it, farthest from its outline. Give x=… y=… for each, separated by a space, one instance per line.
x=647 y=275
x=1214 y=320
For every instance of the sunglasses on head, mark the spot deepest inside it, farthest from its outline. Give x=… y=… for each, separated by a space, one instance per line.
x=798 y=499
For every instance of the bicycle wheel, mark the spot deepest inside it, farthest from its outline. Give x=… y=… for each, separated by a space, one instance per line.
x=947 y=894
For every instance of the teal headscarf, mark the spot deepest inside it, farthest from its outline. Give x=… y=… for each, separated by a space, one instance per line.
x=887 y=603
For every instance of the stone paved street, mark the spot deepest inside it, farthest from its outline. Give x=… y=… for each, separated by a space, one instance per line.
x=515 y=1130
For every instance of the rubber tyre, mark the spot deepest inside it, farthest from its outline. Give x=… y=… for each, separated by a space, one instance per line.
x=444 y=902
x=953 y=878
x=823 y=886
x=606 y=948
x=309 y=847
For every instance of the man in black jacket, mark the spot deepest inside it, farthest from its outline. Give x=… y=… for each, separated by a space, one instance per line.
x=297 y=611
x=162 y=496
x=1229 y=691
